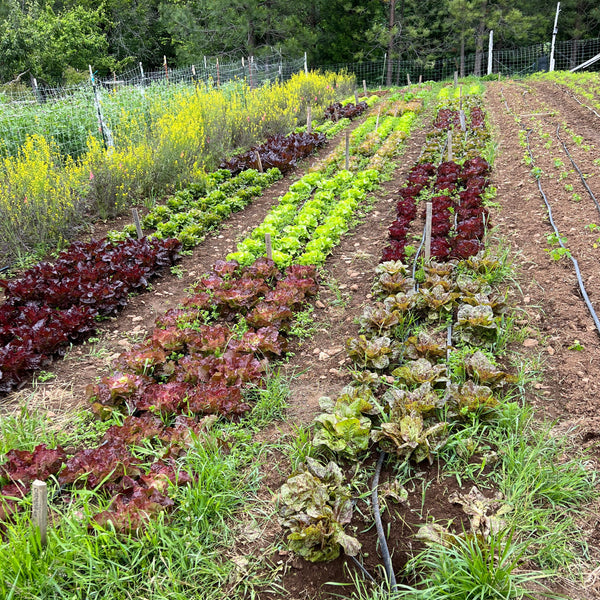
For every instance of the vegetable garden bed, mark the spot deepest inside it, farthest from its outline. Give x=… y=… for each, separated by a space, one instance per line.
x=481 y=430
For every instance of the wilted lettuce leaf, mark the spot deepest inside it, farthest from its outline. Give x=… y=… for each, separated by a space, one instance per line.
x=408 y=438
x=315 y=505
x=484 y=513
x=416 y=372
x=374 y=354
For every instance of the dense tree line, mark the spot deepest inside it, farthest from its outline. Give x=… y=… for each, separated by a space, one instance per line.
x=52 y=39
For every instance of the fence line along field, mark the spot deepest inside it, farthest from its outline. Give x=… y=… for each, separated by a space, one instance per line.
x=161 y=143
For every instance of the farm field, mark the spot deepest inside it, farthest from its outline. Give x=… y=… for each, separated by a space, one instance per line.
x=487 y=447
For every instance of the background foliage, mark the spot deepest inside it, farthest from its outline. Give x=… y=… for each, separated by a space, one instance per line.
x=47 y=39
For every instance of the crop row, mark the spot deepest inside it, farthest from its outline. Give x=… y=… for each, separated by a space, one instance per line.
x=456 y=191
x=53 y=305
x=197 y=362
x=438 y=381
x=304 y=227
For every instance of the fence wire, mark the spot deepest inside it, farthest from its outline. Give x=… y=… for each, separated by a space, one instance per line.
x=515 y=62
x=67 y=116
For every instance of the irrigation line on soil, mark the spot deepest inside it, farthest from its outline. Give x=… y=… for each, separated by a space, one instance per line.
x=586 y=298
x=573 y=259
x=570 y=93
x=585 y=184
x=385 y=552
x=362 y=569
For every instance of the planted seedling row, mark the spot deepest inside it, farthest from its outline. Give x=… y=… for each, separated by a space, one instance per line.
x=197 y=362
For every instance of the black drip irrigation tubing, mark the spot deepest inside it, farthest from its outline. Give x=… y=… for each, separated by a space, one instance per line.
x=573 y=259
x=385 y=552
x=362 y=569
x=582 y=289
x=585 y=184
x=569 y=93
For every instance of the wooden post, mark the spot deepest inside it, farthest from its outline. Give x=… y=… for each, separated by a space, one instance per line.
x=420 y=78
x=347 y=150
x=218 y=75
x=408 y=79
x=377 y=120
x=308 y=119
x=365 y=87
x=258 y=161
x=269 y=246
x=450 y=153
x=166 y=67
x=138 y=225
x=428 y=217
x=205 y=65
x=194 y=78
x=355 y=97
x=142 y=74
x=455 y=78
x=460 y=97
x=463 y=121
x=39 y=492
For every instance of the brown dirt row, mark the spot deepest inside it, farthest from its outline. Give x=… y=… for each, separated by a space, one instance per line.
x=550 y=285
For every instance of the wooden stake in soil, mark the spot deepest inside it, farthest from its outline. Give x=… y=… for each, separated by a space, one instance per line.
x=258 y=161
x=450 y=154
x=377 y=121
x=138 y=225
x=463 y=121
x=39 y=492
x=355 y=97
x=365 y=87
x=428 y=217
x=308 y=119
x=408 y=79
x=269 y=246
x=347 y=150
x=420 y=78
x=455 y=78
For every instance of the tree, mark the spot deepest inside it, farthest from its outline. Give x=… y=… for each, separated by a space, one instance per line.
x=36 y=39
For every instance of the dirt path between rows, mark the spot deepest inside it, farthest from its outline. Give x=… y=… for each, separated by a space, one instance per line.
x=563 y=337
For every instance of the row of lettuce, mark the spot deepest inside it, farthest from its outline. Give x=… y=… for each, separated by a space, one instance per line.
x=197 y=365
x=53 y=305
x=423 y=361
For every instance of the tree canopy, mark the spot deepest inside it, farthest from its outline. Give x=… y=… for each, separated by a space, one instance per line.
x=47 y=39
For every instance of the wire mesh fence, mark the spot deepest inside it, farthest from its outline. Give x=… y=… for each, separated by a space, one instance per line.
x=514 y=62
x=69 y=115
x=106 y=106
